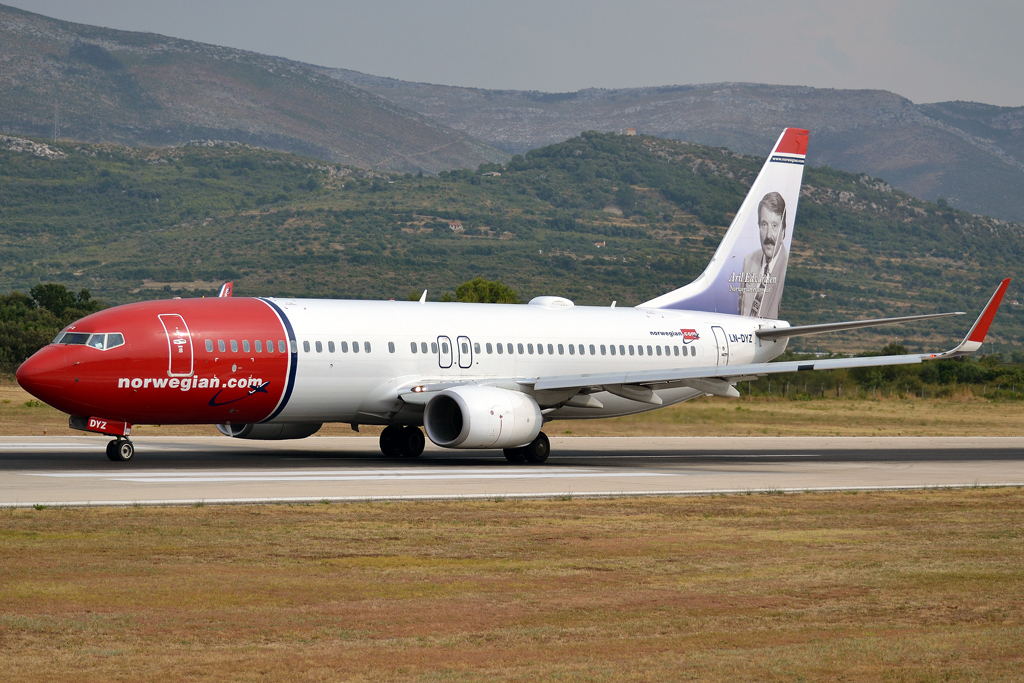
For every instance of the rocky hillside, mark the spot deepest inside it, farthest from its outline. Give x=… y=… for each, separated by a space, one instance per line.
x=102 y=85
x=970 y=154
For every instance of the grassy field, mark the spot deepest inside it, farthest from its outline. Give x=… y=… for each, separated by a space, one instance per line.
x=961 y=415
x=910 y=586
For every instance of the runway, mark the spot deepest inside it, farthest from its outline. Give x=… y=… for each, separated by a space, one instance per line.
x=188 y=470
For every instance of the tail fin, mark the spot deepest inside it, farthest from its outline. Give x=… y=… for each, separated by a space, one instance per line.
x=226 y=289
x=747 y=272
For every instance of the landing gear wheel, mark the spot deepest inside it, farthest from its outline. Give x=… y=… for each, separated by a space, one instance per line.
x=120 y=451
x=390 y=439
x=538 y=450
x=411 y=442
x=515 y=455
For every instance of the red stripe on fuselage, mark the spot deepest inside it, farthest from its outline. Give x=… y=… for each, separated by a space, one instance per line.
x=133 y=382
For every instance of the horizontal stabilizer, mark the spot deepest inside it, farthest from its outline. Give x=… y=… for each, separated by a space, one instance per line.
x=801 y=330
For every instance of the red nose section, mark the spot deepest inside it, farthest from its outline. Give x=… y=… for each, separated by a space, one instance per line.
x=44 y=375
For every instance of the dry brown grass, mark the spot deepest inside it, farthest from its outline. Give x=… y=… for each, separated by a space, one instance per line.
x=963 y=415
x=917 y=586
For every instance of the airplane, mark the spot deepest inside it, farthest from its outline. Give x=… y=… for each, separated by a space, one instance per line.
x=474 y=376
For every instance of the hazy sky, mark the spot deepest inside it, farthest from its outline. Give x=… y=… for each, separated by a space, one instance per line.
x=928 y=51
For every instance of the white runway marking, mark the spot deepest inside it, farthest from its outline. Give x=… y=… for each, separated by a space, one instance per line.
x=363 y=475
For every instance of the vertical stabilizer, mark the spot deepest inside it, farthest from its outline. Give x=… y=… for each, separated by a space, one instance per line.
x=747 y=272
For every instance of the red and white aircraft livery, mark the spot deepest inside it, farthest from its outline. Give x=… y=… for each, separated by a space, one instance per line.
x=474 y=375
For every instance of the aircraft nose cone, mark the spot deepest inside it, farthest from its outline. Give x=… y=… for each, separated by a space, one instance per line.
x=44 y=374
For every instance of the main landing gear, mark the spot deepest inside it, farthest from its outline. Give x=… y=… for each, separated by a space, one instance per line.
x=537 y=451
x=405 y=442
x=120 y=450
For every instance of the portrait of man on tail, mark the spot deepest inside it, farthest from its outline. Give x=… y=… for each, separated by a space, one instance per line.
x=764 y=269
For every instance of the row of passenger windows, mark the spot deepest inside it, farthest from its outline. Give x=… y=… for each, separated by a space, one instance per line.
x=574 y=349
x=247 y=348
x=422 y=347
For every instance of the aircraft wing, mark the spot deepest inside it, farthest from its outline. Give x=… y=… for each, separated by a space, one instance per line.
x=719 y=379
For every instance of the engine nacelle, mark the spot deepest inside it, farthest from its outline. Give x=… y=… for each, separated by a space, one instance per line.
x=271 y=432
x=482 y=417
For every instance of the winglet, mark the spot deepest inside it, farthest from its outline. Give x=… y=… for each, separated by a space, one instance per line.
x=976 y=337
x=423 y=297
x=225 y=289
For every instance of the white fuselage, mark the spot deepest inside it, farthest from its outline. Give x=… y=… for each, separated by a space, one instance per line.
x=461 y=343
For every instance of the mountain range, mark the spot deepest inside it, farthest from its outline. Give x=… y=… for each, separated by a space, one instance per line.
x=60 y=79
x=971 y=155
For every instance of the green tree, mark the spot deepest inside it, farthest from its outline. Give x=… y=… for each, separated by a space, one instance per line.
x=481 y=291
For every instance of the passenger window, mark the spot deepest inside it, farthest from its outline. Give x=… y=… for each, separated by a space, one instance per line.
x=529 y=347
x=572 y=349
x=294 y=344
x=640 y=350
x=259 y=346
x=561 y=350
x=355 y=347
x=476 y=347
x=593 y=351
x=209 y=345
x=540 y=349
x=245 y=346
x=423 y=347
x=391 y=347
x=413 y=347
x=602 y=349
x=613 y=349
x=344 y=347
x=649 y=351
x=270 y=346
x=551 y=350
x=220 y=346
x=685 y=352
x=366 y=346
x=319 y=347
x=305 y=346
x=510 y=349
x=465 y=347
x=490 y=349
x=281 y=347
x=675 y=350
x=501 y=349
x=433 y=347
x=444 y=347
x=234 y=346
x=330 y=347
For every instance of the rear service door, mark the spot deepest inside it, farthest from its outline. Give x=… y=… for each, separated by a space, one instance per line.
x=179 y=345
x=723 y=345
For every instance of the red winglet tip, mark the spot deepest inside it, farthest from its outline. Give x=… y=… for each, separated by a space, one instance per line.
x=985 y=321
x=794 y=141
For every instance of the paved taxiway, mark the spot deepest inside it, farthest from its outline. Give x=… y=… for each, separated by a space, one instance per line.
x=75 y=471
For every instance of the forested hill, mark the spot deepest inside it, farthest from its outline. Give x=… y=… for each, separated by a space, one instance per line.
x=130 y=223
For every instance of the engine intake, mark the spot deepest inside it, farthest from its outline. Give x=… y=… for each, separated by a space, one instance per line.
x=482 y=417
x=271 y=432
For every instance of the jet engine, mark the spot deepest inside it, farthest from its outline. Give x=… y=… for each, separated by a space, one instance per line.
x=271 y=432
x=482 y=417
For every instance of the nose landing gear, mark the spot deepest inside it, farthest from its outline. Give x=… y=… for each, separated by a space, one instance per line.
x=120 y=450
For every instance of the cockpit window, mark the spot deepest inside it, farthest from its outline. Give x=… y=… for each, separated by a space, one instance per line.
x=101 y=341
